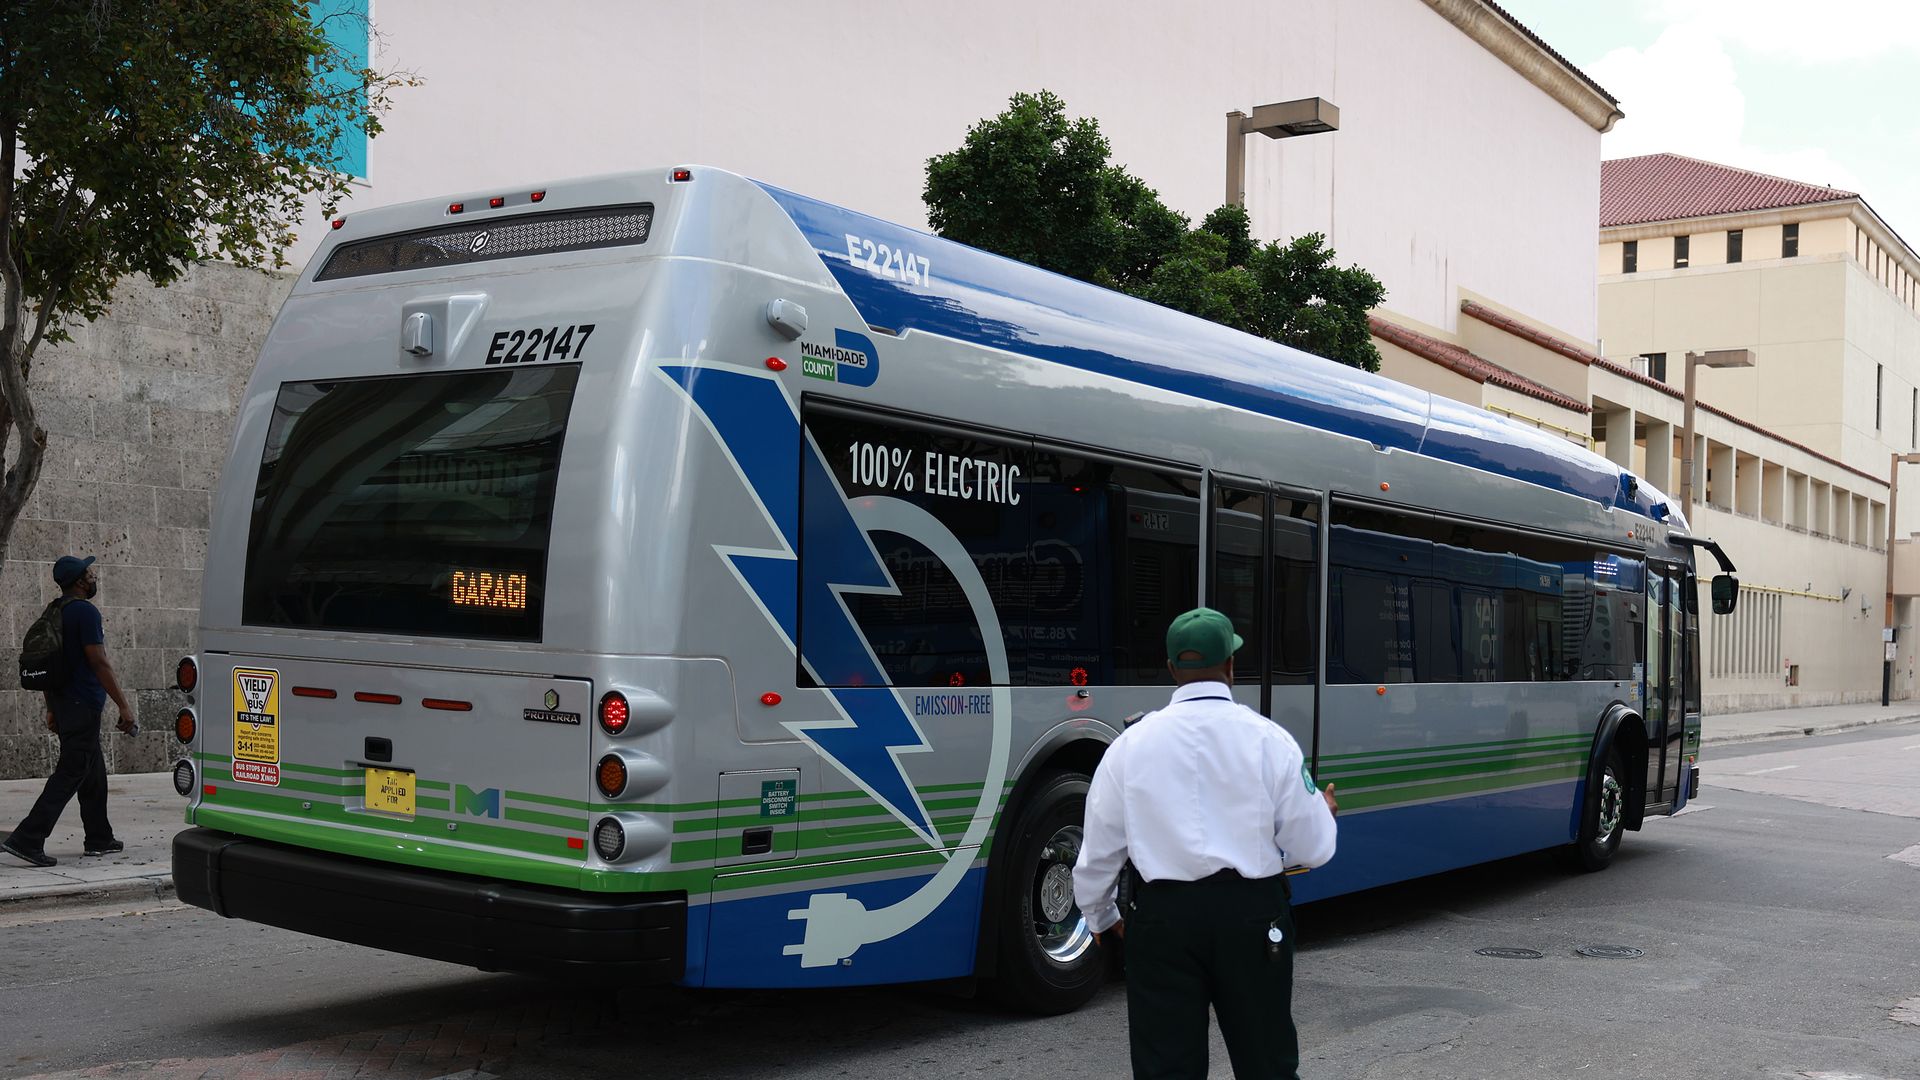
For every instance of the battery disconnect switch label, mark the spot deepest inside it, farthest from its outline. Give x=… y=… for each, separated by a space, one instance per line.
x=256 y=726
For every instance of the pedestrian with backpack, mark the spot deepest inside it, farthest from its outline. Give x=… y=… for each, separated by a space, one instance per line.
x=65 y=658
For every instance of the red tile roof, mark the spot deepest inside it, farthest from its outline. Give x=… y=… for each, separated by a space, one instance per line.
x=1667 y=187
x=1521 y=330
x=1471 y=365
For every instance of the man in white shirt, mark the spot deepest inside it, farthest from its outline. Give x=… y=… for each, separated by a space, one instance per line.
x=1211 y=802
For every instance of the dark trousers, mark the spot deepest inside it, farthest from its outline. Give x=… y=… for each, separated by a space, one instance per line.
x=1191 y=944
x=82 y=770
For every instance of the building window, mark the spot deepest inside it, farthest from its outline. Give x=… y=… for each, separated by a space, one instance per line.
x=1657 y=366
x=1630 y=256
x=1879 y=383
x=1790 y=240
x=1734 y=238
x=1682 y=245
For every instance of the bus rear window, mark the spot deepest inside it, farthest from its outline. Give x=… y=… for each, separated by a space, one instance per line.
x=418 y=504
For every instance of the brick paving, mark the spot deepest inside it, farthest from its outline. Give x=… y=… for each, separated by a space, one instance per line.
x=479 y=1046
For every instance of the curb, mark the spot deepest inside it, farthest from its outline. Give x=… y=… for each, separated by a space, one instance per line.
x=86 y=894
x=1807 y=732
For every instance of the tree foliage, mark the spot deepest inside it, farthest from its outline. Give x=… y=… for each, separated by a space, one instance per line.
x=1033 y=185
x=142 y=138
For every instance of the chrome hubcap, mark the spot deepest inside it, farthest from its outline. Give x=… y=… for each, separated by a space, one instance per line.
x=1057 y=923
x=1611 y=798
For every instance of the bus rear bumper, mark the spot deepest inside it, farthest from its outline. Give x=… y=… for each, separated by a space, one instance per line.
x=482 y=923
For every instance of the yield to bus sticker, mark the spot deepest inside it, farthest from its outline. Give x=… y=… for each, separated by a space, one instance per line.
x=256 y=726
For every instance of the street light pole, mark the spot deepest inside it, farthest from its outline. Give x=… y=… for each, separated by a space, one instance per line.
x=1888 y=636
x=1281 y=120
x=1715 y=358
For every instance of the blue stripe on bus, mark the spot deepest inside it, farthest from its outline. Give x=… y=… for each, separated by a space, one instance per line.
x=742 y=943
x=988 y=300
x=1381 y=847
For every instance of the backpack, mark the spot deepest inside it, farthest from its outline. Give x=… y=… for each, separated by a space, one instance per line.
x=43 y=656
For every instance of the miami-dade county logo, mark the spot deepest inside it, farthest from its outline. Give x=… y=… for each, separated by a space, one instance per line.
x=851 y=359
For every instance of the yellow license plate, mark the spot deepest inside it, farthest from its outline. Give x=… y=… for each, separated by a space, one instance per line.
x=390 y=791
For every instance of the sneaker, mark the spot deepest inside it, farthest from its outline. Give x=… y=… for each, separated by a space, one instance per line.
x=111 y=847
x=37 y=858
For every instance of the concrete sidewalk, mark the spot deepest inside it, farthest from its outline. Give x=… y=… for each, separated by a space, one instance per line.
x=146 y=813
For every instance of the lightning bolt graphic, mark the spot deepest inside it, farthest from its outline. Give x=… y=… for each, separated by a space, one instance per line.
x=758 y=426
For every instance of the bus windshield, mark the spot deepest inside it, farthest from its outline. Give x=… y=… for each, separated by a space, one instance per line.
x=416 y=504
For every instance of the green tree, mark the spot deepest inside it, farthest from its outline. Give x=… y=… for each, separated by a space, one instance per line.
x=142 y=138
x=1034 y=185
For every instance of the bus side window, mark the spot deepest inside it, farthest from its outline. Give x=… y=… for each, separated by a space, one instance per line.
x=1239 y=520
x=1296 y=586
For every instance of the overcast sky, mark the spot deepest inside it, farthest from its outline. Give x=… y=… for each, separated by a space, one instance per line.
x=1819 y=92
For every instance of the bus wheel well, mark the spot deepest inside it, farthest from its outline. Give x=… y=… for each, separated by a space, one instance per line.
x=1630 y=742
x=1080 y=755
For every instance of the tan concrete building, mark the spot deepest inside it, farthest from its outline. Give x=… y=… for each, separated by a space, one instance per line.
x=1793 y=453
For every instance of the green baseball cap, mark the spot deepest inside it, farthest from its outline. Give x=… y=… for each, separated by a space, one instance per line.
x=1204 y=631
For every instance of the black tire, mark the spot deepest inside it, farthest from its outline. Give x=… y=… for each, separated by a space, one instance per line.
x=1046 y=965
x=1603 y=815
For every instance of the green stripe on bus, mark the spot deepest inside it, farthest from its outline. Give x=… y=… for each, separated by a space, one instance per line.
x=287 y=783
x=1353 y=767
x=1388 y=774
x=685 y=851
x=1405 y=750
x=1568 y=762
x=827 y=814
x=1363 y=800
x=425 y=803
x=431 y=785
x=321 y=770
x=500 y=836
x=554 y=821
x=417 y=851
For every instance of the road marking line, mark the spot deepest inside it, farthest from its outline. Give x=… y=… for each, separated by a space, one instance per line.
x=1776 y=768
x=1910 y=856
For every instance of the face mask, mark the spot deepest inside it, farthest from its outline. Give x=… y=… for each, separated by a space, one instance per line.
x=93 y=589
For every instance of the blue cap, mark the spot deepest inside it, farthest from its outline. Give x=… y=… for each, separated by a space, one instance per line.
x=68 y=568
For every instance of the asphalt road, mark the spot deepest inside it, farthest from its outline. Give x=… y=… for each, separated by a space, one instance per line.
x=1778 y=923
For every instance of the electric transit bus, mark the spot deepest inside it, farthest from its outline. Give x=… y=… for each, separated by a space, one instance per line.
x=672 y=577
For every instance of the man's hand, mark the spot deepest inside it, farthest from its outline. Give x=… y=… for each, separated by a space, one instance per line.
x=1333 y=805
x=52 y=724
x=126 y=724
x=1118 y=930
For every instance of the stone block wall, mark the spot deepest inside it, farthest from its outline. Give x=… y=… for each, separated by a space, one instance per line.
x=138 y=409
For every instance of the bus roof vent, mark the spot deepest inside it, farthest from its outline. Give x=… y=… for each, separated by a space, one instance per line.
x=497 y=238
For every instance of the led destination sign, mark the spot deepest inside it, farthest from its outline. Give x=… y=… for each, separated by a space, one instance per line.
x=491 y=590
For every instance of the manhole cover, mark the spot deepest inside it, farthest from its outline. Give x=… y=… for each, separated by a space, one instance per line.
x=1610 y=952
x=1509 y=954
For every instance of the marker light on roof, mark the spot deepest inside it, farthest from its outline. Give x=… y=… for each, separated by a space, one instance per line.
x=496 y=202
x=455 y=208
x=681 y=176
x=339 y=222
x=537 y=196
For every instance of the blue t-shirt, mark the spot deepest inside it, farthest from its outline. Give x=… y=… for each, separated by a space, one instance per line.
x=80 y=627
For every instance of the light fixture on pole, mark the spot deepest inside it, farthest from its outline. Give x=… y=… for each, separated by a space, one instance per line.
x=1281 y=120
x=1715 y=358
x=1890 y=633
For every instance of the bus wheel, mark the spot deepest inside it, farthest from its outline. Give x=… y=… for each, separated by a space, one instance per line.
x=1048 y=963
x=1602 y=816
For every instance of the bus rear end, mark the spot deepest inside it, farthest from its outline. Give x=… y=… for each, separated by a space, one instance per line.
x=401 y=706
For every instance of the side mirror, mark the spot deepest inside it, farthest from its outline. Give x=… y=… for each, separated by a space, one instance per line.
x=1726 y=593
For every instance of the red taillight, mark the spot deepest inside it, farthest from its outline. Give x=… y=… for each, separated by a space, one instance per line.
x=339 y=222
x=186 y=675
x=315 y=691
x=769 y=699
x=184 y=725
x=774 y=363
x=447 y=705
x=613 y=713
x=376 y=699
x=455 y=208
x=208 y=790
x=611 y=776
x=496 y=202
x=577 y=843
x=681 y=176
x=537 y=196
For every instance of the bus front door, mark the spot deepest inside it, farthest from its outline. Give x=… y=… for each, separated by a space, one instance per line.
x=1664 y=719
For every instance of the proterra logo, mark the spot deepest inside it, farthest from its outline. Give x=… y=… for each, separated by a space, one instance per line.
x=851 y=359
